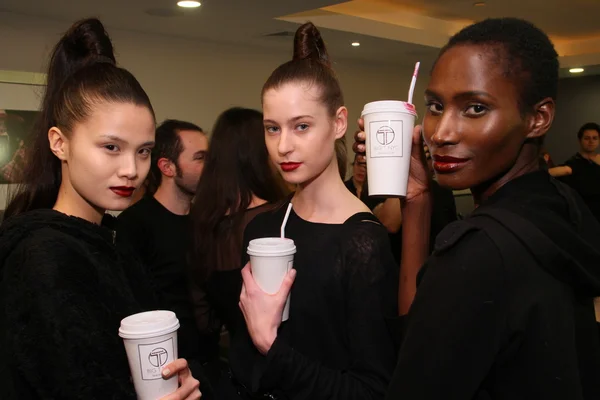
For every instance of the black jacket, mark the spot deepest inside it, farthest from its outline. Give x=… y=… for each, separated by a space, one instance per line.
x=64 y=288
x=504 y=309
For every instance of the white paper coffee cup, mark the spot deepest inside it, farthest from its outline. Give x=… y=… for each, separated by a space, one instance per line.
x=388 y=127
x=150 y=340
x=271 y=260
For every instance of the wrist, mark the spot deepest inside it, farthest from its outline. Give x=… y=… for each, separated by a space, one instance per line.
x=421 y=200
x=265 y=342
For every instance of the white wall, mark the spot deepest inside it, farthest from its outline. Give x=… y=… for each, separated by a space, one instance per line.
x=197 y=80
x=194 y=80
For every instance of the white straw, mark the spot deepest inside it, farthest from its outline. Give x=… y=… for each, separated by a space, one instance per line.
x=413 y=82
x=287 y=215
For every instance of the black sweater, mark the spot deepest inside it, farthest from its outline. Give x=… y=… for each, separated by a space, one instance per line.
x=64 y=288
x=336 y=343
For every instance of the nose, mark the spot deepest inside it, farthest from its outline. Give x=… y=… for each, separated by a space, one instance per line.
x=129 y=167
x=445 y=131
x=285 y=145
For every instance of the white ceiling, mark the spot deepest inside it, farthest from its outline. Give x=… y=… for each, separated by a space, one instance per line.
x=396 y=32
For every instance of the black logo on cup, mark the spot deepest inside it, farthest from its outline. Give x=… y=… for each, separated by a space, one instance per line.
x=385 y=135
x=158 y=357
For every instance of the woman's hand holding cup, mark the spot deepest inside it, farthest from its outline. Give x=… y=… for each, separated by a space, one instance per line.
x=419 y=177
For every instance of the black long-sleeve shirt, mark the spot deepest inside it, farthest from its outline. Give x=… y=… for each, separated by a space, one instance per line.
x=336 y=343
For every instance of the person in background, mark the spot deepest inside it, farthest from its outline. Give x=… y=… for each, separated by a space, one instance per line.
x=64 y=285
x=584 y=168
x=157 y=227
x=336 y=343
x=237 y=185
x=358 y=178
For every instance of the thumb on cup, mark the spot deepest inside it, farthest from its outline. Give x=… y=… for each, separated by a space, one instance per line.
x=287 y=283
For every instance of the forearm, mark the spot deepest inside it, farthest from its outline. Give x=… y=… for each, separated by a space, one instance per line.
x=286 y=368
x=416 y=226
x=390 y=214
x=560 y=171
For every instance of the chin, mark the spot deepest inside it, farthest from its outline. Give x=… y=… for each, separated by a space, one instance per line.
x=453 y=182
x=117 y=205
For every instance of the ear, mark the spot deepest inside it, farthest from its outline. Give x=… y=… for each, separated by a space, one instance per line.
x=167 y=168
x=59 y=144
x=341 y=122
x=542 y=118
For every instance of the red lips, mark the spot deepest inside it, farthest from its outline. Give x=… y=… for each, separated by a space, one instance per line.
x=289 y=166
x=444 y=164
x=123 y=191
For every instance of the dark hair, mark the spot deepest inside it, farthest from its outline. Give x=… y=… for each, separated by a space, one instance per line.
x=82 y=73
x=341 y=155
x=168 y=145
x=310 y=65
x=588 y=127
x=526 y=53
x=237 y=168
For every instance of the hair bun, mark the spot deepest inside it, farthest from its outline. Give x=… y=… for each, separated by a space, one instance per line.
x=308 y=44
x=87 y=42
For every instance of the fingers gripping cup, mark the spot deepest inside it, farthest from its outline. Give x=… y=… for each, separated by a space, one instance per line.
x=150 y=340
x=271 y=259
x=388 y=127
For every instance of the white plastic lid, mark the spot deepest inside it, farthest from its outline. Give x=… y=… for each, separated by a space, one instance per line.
x=271 y=247
x=148 y=324
x=389 y=106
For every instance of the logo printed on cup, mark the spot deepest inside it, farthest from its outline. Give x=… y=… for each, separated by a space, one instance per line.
x=384 y=138
x=385 y=135
x=153 y=357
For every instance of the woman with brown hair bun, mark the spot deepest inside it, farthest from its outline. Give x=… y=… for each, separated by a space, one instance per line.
x=64 y=286
x=336 y=343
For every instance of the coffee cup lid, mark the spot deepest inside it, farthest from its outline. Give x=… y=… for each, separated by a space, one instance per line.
x=148 y=324
x=389 y=106
x=271 y=247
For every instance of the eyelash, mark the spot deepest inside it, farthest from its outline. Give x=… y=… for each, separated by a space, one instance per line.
x=113 y=148
x=300 y=127
x=270 y=129
x=476 y=114
x=431 y=104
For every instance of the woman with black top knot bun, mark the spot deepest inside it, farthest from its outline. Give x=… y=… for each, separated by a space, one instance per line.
x=64 y=286
x=336 y=343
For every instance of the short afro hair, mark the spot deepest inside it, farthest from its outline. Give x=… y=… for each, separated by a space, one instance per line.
x=590 y=126
x=527 y=54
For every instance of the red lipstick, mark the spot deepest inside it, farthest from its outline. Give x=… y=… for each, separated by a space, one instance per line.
x=123 y=191
x=290 y=166
x=444 y=164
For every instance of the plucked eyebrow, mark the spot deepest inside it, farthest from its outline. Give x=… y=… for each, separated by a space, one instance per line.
x=268 y=121
x=463 y=95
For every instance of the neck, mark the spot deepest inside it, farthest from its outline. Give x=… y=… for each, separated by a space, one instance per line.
x=527 y=162
x=358 y=185
x=71 y=203
x=173 y=198
x=318 y=199
x=256 y=202
x=589 y=155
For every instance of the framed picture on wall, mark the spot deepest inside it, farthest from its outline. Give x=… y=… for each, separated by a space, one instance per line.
x=20 y=97
x=16 y=127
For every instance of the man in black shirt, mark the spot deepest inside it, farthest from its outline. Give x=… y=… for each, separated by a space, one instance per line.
x=157 y=227
x=357 y=180
x=585 y=168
